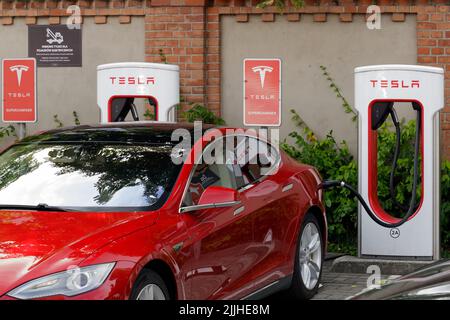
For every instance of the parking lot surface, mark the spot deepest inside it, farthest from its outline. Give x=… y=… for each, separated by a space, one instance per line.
x=339 y=285
x=336 y=285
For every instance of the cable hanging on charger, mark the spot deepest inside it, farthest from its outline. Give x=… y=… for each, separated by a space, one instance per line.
x=379 y=116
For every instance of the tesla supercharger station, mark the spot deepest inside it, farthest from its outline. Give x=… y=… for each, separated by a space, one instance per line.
x=378 y=88
x=119 y=84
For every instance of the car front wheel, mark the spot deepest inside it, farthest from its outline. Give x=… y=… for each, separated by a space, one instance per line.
x=150 y=286
x=308 y=260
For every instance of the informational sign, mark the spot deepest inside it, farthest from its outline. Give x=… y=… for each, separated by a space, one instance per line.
x=19 y=90
x=262 y=92
x=55 y=45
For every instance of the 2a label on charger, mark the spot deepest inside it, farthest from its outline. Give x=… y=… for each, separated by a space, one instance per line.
x=394 y=233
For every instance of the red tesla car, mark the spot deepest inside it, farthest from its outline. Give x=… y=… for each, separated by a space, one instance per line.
x=120 y=211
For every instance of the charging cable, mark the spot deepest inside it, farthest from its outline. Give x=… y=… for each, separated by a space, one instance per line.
x=412 y=203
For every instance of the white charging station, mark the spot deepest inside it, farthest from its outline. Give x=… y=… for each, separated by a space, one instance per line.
x=418 y=237
x=117 y=82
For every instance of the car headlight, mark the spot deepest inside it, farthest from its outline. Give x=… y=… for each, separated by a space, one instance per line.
x=68 y=283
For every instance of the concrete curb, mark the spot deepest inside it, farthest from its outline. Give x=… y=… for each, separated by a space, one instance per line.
x=350 y=264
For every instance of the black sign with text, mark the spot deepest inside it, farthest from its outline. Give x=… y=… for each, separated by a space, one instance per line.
x=55 y=45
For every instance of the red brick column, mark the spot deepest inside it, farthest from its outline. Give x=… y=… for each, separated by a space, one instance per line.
x=213 y=60
x=433 y=48
x=176 y=34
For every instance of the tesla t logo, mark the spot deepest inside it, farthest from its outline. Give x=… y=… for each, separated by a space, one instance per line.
x=19 y=90
x=262 y=73
x=262 y=92
x=132 y=80
x=18 y=69
x=395 y=84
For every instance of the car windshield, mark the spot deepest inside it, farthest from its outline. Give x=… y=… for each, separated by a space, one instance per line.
x=87 y=176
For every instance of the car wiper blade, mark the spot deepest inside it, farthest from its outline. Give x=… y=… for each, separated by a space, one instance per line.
x=39 y=207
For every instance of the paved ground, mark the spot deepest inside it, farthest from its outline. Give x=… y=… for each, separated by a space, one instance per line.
x=339 y=286
x=336 y=285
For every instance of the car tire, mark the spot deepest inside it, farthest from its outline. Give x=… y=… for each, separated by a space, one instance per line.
x=308 y=259
x=149 y=286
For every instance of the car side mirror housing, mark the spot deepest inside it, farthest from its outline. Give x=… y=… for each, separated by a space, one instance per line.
x=216 y=194
x=214 y=197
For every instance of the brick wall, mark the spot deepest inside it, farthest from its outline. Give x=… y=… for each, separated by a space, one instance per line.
x=179 y=34
x=187 y=32
x=433 y=49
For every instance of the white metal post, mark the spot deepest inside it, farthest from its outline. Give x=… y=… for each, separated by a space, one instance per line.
x=22 y=130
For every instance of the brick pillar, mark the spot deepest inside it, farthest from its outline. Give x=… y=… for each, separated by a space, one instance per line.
x=213 y=60
x=433 y=49
x=178 y=34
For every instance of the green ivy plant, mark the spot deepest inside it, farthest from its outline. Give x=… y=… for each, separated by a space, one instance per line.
x=7 y=131
x=445 y=207
x=57 y=122
x=148 y=115
x=76 y=119
x=162 y=56
x=60 y=124
x=345 y=105
x=403 y=173
x=334 y=161
x=197 y=112
x=280 y=4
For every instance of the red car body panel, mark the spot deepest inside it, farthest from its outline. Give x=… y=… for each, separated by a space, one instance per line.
x=212 y=254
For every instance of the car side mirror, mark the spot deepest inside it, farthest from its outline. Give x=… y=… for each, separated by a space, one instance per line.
x=214 y=197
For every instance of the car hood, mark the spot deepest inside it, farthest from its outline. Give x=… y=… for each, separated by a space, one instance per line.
x=36 y=243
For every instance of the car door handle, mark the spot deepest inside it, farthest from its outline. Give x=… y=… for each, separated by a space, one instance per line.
x=239 y=210
x=287 y=187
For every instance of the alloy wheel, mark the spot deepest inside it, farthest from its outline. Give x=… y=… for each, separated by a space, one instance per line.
x=310 y=255
x=151 y=292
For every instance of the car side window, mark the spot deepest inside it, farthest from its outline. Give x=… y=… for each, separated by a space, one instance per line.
x=214 y=174
x=255 y=158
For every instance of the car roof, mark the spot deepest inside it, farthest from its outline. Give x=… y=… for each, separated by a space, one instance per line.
x=118 y=132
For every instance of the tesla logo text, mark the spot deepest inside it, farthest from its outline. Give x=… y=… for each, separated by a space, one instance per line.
x=395 y=84
x=19 y=94
x=132 y=80
x=262 y=96
x=18 y=69
x=262 y=73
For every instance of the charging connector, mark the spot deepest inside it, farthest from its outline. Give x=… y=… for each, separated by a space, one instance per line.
x=327 y=184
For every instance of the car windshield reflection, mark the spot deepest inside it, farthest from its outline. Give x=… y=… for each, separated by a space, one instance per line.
x=90 y=176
